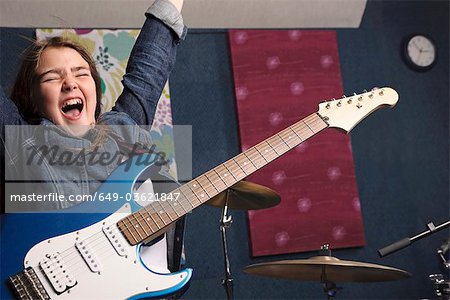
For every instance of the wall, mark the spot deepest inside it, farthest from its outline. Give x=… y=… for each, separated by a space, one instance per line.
x=401 y=155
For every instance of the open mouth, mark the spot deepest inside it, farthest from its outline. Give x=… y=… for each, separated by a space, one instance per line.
x=72 y=107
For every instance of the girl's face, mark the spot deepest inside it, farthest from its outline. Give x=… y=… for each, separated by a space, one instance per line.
x=65 y=89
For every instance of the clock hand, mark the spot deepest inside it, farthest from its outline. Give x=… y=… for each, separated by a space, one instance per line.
x=417 y=47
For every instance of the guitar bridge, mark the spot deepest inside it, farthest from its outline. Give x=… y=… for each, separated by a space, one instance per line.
x=27 y=285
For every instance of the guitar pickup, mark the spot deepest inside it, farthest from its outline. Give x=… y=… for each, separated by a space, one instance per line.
x=116 y=239
x=57 y=273
x=88 y=255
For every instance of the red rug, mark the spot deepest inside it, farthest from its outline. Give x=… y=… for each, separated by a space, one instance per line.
x=280 y=77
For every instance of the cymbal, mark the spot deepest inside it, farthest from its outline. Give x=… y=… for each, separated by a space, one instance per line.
x=334 y=269
x=246 y=195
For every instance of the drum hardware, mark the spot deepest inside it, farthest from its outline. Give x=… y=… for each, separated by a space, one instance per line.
x=442 y=283
x=441 y=286
x=243 y=195
x=328 y=270
x=403 y=243
x=444 y=255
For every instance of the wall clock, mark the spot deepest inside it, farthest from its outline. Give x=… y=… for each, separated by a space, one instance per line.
x=419 y=52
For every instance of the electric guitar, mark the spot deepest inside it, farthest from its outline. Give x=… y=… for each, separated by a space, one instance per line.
x=93 y=250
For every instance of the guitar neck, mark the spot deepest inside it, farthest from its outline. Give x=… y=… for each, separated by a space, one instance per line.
x=157 y=216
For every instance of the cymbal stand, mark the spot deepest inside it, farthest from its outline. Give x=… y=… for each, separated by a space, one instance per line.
x=225 y=223
x=329 y=287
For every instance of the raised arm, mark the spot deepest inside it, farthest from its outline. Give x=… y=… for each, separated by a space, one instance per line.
x=151 y=60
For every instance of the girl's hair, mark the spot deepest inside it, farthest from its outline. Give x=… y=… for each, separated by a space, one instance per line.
x=26 y=80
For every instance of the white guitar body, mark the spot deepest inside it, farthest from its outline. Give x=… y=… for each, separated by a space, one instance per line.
x=96 y=262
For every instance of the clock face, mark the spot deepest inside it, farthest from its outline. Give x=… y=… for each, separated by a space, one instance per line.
x=420 y=52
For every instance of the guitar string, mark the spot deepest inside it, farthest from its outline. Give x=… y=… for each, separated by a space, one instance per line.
x=80 y=259
x=305 y=127
x=128 y=224
x=95 y=246
x=205 y=188
x=120 y=229
x=81 y=267
x=88 y=240
x=210 y=185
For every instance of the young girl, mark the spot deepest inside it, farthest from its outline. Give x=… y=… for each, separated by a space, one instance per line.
x=63 y=148
x=58 y=84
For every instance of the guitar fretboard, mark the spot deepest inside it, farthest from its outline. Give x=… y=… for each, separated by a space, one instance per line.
x=155 y=217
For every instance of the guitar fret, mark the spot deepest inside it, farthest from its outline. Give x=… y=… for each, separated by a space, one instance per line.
x=148 y=218
x=295 y=140
x=255 y=157
x=205 y=182
x=215 y=180
x=245 y=164
x=273 y=148
x=308 y=126
x=230 y=172
x=183 y=209
x=190 y=205
x=189 y=195
x=285 y=147
x=125 y=229
x=146 y=223
x=202 y=193
x=192 y=186
x=182 y=198
x=162 y=212
x=223 y=174
x=177 y=207
x=135 y=225
x=303 y=132
x=141 y=224
x=186 y=197
x=248 y=159
x=238 y=169
x=266 y=152
x=315 y=123
x=167 y=210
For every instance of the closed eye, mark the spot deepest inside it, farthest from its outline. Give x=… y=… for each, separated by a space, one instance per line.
x=83 y=74
x=50 y=79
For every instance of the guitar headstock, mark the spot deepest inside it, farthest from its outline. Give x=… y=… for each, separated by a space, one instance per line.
x=347 y=112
